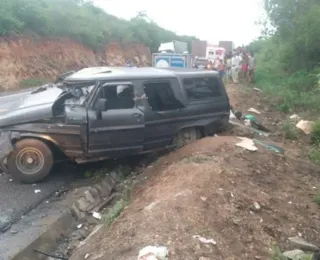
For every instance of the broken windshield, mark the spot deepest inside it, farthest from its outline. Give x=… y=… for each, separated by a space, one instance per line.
x=80 y=93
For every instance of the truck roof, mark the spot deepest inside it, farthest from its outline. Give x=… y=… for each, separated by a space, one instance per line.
x=118 y=73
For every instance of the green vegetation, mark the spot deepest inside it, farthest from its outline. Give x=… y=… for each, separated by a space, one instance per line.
x=80 y=20
x=115 y=212
x=290 y=130
x=32 y=82
x=288 y=55
x=316 y=199
x=119 y=206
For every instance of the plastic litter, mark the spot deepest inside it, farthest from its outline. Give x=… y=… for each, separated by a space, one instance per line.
x=252 y=118
x=253 y=110
x=96 y=215
x=153 y=253
x=205 y=240
x=270 y=147
x=247 y=144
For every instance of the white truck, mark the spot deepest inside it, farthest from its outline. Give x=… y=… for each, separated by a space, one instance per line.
x=203 y=49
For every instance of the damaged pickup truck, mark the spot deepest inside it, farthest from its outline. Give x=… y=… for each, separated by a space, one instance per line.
x=101 y=112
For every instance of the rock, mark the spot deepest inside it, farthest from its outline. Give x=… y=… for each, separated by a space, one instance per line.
x=82 y=204
x=296 y=254
x=302 y=244
x=5 y=223
x=305 y=126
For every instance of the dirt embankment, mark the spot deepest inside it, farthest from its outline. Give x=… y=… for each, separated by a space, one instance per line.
x=45 y=58
x=246 y=201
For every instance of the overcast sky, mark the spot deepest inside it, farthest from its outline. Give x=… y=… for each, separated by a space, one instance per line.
x=210 y=20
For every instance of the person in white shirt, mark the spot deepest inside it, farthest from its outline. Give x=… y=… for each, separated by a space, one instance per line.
x=235 y=63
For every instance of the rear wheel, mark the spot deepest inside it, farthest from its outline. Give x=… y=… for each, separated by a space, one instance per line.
x=31 y=161
x=186 y=136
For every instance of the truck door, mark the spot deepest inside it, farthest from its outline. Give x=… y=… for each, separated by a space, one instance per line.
x=116 y=126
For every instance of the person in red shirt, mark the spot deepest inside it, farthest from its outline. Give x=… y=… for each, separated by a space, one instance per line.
x=221 y=68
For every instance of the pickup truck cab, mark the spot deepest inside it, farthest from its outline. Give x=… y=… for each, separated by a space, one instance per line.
x=103 y=112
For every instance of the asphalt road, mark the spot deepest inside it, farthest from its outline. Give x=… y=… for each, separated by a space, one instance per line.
x=17 y=199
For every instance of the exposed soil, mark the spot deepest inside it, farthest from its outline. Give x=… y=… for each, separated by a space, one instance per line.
x=245 y=201
x=31 y=58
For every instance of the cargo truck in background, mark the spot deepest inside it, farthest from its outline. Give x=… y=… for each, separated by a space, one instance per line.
x=199 y=48
x=211 y=51
x=174 y=47
x=175 y=54
x=229 y=46
x=172 y=55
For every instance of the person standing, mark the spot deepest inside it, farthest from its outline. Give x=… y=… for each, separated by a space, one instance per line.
x=222 y=68
x=244 y=65
x=235 y=63
x=251 y=67
x=229 y=65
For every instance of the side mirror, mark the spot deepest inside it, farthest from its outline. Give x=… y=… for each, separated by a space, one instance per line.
x=101 y=104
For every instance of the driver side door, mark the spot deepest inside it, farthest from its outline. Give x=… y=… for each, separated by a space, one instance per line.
x=117 y=130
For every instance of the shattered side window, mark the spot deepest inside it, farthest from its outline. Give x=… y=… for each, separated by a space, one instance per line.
x=202 y=88
x=118 y=96
x=161 y=96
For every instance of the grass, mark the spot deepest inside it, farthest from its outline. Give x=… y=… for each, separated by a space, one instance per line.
x=114 y=212
x=316 y=199
x=290 y=130
x=296 y=92
x=119 y=206
x=314 y=154
x=32 y=82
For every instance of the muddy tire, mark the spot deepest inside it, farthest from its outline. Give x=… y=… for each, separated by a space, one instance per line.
x=186 y=136
x=31 y=161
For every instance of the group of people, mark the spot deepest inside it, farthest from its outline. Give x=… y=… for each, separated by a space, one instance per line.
x=241 y=63
x=236 y=64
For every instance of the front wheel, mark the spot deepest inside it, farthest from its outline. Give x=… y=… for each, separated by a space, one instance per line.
x=30 y=161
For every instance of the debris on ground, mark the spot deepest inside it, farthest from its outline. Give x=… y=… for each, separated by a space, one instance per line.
x=247 y=144
x=5 y=223
x=96 y=215
x=205 y=240
x=302 y=244
x=295 y=117
x=232 y=115
x=251 y=118
x=257 y=89
x=305 y=126
x=270 y=147
x=295 y=254
x=37 y=191
x=153 y=253
x=253 y=110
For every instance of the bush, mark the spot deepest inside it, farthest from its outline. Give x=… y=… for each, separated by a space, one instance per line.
x=290 y=130
x=287 y=59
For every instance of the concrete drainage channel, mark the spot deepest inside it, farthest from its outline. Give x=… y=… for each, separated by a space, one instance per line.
x=73 y=218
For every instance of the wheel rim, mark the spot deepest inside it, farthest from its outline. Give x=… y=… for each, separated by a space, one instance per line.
x=29 y=161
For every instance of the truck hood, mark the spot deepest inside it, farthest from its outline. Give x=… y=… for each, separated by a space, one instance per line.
x=28 y=106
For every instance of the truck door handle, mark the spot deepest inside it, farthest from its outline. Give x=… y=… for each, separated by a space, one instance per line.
x=137 y=115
